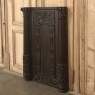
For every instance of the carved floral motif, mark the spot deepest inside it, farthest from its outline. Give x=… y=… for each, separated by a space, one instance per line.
x=63 y=77
x=38 y=47
x=45 y=18
x=45 y=80
x=26 y=67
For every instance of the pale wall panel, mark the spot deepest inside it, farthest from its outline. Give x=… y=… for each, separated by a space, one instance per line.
x=0 y=36
x=55 y=3
x=79 y=45
x=38 y=3
x=26 y=3
x=90 y=81
x=91 y=48
x=18 y=47
x=33 y=3
x=82 y=45
x=76 y=45
x=17 y=4
x=71 y=42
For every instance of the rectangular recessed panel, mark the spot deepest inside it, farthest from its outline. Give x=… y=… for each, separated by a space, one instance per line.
x=18 y=49
x=17 y=4
x=45 y=46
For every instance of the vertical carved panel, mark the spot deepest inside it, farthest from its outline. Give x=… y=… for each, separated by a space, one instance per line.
x=38 y=48
x=27 y=67
x=52 y=49
x=62 y=77
x=45 y=18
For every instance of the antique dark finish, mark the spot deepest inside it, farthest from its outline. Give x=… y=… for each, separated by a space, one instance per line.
x=45 y=57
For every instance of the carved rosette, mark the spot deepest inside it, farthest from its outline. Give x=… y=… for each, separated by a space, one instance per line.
x=62 y=12
x=63 y=78
x=26 y=67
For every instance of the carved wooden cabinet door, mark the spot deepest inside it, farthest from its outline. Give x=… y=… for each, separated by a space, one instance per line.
x=45 y=58
x=44 y=43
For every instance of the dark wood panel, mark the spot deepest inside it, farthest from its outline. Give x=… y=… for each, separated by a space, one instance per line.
x=46 y=45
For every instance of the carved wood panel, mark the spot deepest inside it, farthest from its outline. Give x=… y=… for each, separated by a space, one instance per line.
x=46 y=42
x=44 y=21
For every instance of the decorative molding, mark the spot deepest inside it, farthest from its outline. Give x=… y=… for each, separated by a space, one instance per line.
x=26 y=10
x=27 y=67
x=52 y=65
x=38 y=48
x=52 y=49
x=45 y=80
x=45 y=18
x=62 y=12
x=63 y=77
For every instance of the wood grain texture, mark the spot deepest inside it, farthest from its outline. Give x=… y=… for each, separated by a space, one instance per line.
x=3 y=28
x=0 y=34
x=33 y=3
x=26 y=3
x=15 y=58
x=82 y=46
x=55 y=3
x=76 y=46
x=91 y=48
x=39 y=3
x=71 y=42
x=86 y=41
